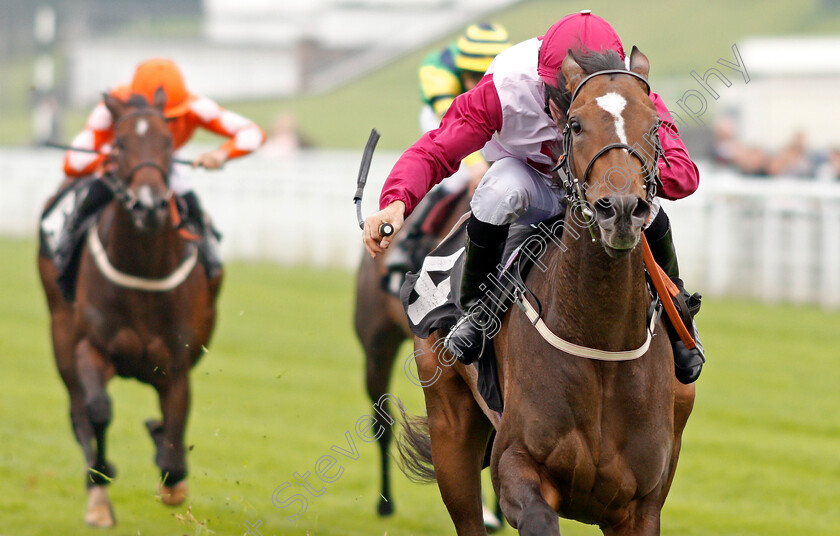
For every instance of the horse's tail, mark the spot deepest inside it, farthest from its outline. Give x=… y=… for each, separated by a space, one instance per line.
x=415 y=450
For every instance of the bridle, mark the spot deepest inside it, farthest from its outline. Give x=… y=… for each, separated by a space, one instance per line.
x=572 y=184
x=119 y=187
x=574 y=197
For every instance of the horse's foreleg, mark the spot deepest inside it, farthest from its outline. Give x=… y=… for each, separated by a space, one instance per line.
x=61 y=329
x=171 y=457
x=459 y=431
x=520 y=494
x=91 y=414
x=380 y=349
x=683 y=404
x=93 y=373
x=644 y=519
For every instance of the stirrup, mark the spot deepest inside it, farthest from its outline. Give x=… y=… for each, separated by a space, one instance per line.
x=465 y=331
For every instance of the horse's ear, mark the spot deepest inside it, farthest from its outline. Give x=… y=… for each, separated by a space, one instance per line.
x=572 y=72
x=114 y=105
x=639 y=63
x=160 y=99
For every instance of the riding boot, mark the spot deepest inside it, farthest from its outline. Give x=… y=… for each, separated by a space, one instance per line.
x=95 y=196
x=408 y=253
x=208 y=245
x=688 y=363
x=484 y=246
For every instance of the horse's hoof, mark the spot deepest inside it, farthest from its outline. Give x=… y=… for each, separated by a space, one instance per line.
x=174 y=495
x=385 y=508
x=99 y=512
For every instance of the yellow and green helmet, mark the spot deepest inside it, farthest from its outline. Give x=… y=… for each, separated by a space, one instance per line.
x=479 y=45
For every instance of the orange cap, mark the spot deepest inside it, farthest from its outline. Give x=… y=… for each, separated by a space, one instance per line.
x=162 y=72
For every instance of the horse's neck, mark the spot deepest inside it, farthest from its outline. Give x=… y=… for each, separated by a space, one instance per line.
x=144 y=254
x=596 y=300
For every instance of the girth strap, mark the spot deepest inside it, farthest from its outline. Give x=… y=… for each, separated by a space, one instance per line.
x=100 y=258
x=582 y=351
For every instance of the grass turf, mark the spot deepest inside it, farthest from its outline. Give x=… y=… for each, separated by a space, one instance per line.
x=283 y=383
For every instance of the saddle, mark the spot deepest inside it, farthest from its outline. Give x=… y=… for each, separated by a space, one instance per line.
x=58 y=241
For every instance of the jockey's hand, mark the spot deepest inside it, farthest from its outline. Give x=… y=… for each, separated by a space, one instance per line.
x=393 y=214
x=211 y=159
x=477 y=172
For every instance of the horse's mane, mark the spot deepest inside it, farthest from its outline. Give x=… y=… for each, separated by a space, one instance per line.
x=138 y=101
x=591 y=62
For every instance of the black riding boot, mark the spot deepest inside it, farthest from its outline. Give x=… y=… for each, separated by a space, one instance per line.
x=687 y=363
x=208 y=245
x=96 y=196
x=408 y=253
x=484 y=246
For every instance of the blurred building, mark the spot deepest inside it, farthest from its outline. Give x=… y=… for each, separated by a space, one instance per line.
x=268 y=48
x=792 y=89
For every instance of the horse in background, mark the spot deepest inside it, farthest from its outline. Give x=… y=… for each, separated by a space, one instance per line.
x=144 y=307
x=592 y=439
x=381 y=326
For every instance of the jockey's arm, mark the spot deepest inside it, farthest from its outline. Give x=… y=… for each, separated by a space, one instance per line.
x=679 y=176
x=244 y=136
x=96 y=136
x=465 y=128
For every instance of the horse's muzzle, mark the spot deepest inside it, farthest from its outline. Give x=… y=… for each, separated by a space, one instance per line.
x=621 y=219
x=149 y=211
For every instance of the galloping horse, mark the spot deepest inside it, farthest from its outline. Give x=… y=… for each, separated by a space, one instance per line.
x=144 y=307
x=594 y=440
x=381 y=327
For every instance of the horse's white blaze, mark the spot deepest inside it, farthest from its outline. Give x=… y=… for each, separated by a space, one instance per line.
x=145 y=196
x=614 y=104
x=142 y=127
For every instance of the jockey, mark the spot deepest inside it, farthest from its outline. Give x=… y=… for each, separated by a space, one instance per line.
x=444 y=75
x=506 y=115
x=185 y=112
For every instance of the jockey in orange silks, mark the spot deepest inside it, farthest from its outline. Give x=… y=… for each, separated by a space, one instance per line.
x=185 y=113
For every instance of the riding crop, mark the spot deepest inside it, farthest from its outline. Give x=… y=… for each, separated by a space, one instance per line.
x=386 y=229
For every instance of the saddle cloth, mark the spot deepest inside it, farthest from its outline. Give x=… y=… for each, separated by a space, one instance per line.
x=431 y=295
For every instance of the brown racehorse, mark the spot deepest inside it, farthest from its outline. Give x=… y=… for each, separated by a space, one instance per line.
x=591 y=440
x=143 y=309
x=381 y=327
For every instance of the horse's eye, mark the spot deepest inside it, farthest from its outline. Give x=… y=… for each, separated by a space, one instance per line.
x=575 y=126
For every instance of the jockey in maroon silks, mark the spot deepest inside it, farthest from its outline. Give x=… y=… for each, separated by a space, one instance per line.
x=507 y=115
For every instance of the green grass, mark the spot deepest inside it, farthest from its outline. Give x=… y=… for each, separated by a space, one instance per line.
x=283 y=382
x=678 y=36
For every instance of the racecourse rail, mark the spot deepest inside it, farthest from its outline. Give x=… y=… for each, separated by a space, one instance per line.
x=775 y=239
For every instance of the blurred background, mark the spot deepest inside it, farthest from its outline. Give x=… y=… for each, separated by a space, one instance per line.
x=761 y=237
x=317 y=75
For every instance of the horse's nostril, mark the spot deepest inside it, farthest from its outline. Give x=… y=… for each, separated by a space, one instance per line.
x=605 y=208
x=642 y=209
